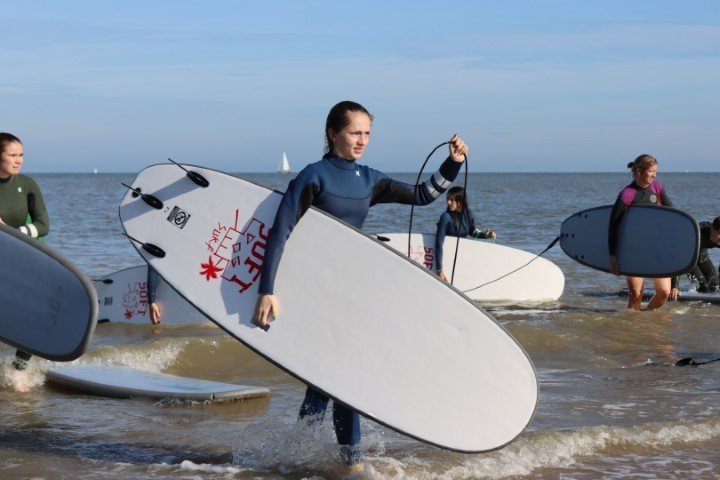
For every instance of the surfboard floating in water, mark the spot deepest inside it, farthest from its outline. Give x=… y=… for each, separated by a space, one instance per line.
x=652 y=241
x=684 y=296
x=358 y=321
x=49 y=307
x=123 y=298
x=125 y=382
x=480 y=262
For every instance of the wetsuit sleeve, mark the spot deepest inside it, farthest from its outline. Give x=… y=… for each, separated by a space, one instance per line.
x=40 y=223
x=665 y=198
x=440 y=239
x=388 y=190
x=152 y=284
x=616 y=215
x=298 y=198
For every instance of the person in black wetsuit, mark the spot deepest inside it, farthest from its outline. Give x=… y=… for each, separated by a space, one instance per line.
x=644 y=190
x=456 y=221
x=341 y=187
x=22 y=207
x=704 y=272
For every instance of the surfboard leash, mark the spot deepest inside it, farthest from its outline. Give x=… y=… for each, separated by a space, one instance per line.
x=685 y=362
x=412 y=205
x=552 y=244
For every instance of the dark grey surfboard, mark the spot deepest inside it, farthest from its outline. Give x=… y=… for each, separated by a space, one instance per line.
x=684 y=296
x=652 y=241
x=49 y=306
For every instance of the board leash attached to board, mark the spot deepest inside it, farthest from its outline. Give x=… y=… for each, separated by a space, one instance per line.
x=552 y=244
x=412 y=206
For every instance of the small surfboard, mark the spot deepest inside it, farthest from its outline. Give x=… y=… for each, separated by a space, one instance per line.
x=652 y=241
x=124 y=382
x=123 y=297
x=479 y=263
x=358 y=321
x=684 y=296
x=49 y=307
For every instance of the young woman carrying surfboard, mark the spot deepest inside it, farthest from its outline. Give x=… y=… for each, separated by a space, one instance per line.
x=20 y=200
x=340 y=186
x=644 y=190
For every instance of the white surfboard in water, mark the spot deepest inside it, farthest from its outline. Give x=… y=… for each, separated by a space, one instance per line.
x=125 y=382
x=481 y=264
x=49 y=307
x=123 y=298
x=358 y=321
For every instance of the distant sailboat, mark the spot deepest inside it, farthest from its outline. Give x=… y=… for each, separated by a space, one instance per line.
x=284 y=165
x=95 y=171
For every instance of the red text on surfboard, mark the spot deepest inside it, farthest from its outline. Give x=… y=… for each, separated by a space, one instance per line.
x=425 y=256
x=135 y=300
x=236 y=253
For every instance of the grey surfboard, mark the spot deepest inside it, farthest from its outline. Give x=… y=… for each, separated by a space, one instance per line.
x=125 y=382
x=684 y=296
x=49 y=306
x=652 y=241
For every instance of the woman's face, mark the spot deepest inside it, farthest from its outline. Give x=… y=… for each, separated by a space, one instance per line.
x=647 y=176
x=453 y=205
x=350 y=142
x=11 y=159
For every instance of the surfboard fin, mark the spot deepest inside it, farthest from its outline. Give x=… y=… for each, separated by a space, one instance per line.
x=194 y=176
x=149 y=199
x=153 y=250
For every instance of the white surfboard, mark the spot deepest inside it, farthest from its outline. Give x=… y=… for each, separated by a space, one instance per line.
x=123 y=297
x=652 y=241
x=49 y=307
x=125 y=382
x=358 y=321
x=481 y=262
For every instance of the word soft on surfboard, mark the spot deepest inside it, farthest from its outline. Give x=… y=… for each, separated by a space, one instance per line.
x=358 y=321
x=125 y=382
x=479 y=262
x=652 y=241
x=123 y=297
x=49 y=307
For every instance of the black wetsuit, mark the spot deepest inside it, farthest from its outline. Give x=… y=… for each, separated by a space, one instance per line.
x=455 y=224
x=704 y=271
x=20 y=201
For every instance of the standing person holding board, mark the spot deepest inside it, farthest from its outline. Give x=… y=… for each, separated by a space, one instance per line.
x=644 y=190
x=340 y=186
x=456 y=221
x=21 y=207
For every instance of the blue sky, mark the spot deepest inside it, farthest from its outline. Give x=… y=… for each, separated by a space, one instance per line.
x=530 y=85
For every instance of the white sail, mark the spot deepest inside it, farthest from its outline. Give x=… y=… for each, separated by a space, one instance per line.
x=284 y=165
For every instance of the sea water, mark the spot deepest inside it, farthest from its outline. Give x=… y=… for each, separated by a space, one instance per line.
x=611 y=405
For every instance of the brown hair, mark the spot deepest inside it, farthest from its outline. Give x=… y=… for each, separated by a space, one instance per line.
x=641 y=163
x=338 y=119
x=6 y=138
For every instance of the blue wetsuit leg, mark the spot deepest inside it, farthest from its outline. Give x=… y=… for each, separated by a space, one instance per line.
x=345 y=420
